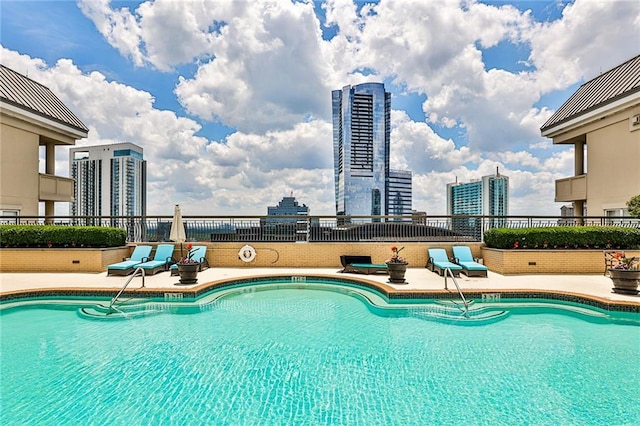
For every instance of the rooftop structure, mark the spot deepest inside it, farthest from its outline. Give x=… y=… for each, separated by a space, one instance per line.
x=601 y=120
x=32 y=116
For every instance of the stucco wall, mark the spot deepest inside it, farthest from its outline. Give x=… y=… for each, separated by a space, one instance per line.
x=613 y=164
x=19 y=171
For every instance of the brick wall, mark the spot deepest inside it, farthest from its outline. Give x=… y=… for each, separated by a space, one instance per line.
x=509 y=262
x=320 y=255
x=276 y=255
x=60 y=259
x=311 y=255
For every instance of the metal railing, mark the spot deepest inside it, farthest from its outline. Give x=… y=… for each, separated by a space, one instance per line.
x=113 y=301
x=448 y=272
x=321 y=228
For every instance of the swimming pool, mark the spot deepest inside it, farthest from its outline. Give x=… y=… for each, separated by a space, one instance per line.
x=311 y=356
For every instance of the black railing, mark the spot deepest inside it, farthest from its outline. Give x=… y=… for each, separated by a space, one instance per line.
x=321 y=228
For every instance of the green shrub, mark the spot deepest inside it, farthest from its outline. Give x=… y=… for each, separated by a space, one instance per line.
x=565 y=237
x=61 y=236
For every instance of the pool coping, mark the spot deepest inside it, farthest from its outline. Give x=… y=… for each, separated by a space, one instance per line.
x=392 y=294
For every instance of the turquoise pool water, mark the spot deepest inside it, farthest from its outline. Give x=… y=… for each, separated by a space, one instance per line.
x=300 y=356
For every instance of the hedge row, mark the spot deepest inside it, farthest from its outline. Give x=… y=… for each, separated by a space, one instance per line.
x=564 y=237
x=61 y=236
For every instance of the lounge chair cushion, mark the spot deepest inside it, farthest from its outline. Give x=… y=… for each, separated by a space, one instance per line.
x=463 y=256
x=161 y=259
x=438 y=260
x=361 y=264
x=140 y=254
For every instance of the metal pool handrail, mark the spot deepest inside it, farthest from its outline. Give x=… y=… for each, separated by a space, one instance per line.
x=139 y=269
x=448 y=271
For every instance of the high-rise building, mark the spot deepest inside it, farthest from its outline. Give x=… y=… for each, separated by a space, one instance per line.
x=399 y=193
x=110 y=180
x=488 y=196
x=361 y=138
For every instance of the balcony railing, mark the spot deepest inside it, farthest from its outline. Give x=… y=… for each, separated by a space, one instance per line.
x=321 y=228
x=55 y=188
x=571 y=189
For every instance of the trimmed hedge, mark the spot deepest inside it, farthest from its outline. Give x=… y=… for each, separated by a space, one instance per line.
x=564 y=237
x=61 y=236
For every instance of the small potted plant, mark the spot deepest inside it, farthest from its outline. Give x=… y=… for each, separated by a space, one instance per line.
x=397 y=266
x=188 y=267
x=625 y=274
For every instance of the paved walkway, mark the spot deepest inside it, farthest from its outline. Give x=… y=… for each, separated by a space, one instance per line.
x=418 y=279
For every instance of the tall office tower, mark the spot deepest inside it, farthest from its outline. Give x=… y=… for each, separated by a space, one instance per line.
x=400 y=193
x=361 y=136
x=486 y=197
x=110 y=180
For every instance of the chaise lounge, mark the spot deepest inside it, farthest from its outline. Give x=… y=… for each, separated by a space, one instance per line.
x=361 y=265
x=463 y=257
x=140 y=254
x=199 y=255
x=161 y=260
x=439 y=262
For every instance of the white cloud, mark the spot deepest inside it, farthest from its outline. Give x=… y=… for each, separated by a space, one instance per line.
x=263 y=68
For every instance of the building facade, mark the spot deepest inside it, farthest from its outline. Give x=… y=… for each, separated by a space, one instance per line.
x=31 y=117
x=288 y=206
x=400 y=193
x=488 y=196
x=361 y=145
x=110 y=180
x=601 y=121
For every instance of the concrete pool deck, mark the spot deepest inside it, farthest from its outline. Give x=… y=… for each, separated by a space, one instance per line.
x=418 y=279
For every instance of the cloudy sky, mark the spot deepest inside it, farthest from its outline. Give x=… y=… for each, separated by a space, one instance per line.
x=231 y=100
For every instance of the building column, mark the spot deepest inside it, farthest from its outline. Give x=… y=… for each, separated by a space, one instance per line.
x=579 y=159
x=578 y=205
x=50 y=169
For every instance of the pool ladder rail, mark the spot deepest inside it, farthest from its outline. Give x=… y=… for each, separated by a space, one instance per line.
x=112 y=308
x=465 y=309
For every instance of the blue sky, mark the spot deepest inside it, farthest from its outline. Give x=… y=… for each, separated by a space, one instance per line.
x=231 y=100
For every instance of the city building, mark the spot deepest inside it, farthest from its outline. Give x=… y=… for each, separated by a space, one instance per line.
x=488 y=196
x=279 y=228
x=364 y=184
x=399 y=199
x=288 y=206
x=601 y=121
x=110 y=180
x=31 y=118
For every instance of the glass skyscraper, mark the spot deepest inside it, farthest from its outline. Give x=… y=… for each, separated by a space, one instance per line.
x=486 y=197
x=361 y=140
x=110 y=180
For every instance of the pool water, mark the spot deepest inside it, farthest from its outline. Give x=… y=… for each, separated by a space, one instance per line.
x=299 y=356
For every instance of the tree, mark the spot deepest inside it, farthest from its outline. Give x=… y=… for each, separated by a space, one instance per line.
x=634 y=206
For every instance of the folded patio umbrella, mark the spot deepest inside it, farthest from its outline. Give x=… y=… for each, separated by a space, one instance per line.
x=178 y=233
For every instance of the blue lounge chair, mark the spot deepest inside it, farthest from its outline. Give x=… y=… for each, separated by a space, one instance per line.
x=362 y=265
x=140 y=254
x=438 y=261
x=199 y=255
x=161 y=260
x=463 y=257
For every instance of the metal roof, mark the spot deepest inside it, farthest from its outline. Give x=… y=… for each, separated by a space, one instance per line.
x=29 y=95
x=606 y=88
